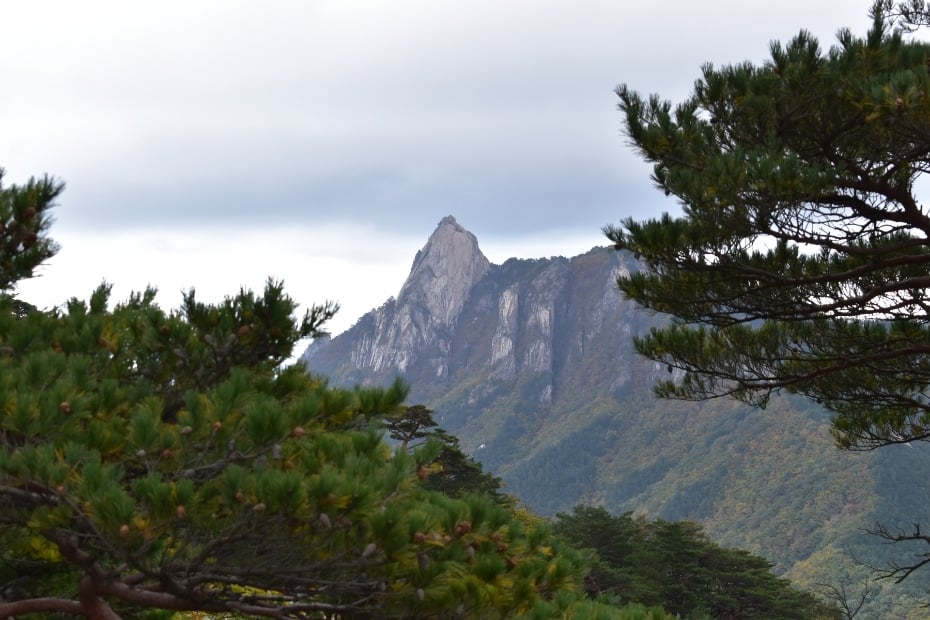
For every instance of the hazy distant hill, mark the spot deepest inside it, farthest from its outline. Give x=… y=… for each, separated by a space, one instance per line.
x=531 y=364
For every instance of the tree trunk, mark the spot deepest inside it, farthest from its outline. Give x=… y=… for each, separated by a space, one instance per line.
x=95 y=608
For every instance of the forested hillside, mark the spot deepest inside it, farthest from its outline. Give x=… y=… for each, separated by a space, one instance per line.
x=537 y=377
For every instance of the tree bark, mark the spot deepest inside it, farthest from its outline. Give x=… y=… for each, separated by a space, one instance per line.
x=94 y=607
x=9 y=609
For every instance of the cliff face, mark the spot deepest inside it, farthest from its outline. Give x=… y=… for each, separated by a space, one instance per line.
x=443 y=274
x=416 y=329
x=531 y=364
x=458 y=320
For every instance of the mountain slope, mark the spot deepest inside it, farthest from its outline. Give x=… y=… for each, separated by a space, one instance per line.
x=530 y=363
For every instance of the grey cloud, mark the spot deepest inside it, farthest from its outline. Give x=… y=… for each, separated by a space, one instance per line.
x=247 y=114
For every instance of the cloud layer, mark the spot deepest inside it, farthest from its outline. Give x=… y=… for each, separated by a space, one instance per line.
x=217 y=119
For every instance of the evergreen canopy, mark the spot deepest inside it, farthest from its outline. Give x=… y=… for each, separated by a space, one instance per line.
x=802 y=259
x=675 y=565
x=24 y=222
x=155 y=462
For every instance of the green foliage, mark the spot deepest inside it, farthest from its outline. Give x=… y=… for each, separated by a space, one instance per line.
x=137 y=452
x=24 y=220
x=800 y=263
x=674 y=564
x=451 y=472
x=908 y=15
x=156 y=461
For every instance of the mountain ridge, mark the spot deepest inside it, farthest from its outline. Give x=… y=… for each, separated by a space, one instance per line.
x=534 y=370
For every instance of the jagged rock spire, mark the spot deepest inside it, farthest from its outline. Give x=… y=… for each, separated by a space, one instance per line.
x=444 y=272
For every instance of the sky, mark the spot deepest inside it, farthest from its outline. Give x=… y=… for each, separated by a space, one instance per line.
x=214 y=144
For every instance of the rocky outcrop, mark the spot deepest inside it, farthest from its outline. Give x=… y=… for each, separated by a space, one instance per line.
x=443 y=274
x=463 y=325
x=414 y=331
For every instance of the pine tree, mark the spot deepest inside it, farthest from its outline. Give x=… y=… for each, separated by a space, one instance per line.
x=24 y=222
x=675 y=564
x=170 y=460
x=453 y=473
x=801 y=261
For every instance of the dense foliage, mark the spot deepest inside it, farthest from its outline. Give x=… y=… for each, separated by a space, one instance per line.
x=674 y=564
x=24 y=222
x=154 y=460
x=453 y=472
x=801 y=260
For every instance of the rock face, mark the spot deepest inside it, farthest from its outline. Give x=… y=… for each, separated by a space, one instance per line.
x=531 y=364
x=457 y=318
x=443 y=274
x=502 y=352
x=416 y=329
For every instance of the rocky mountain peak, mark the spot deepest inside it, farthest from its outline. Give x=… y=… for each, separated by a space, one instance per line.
x=444 y=272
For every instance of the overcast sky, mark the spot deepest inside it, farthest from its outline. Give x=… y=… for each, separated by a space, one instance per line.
x=212 y=144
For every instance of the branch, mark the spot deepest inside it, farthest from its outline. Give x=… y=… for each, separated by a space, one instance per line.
x=32 y=495
x=162 y=600
x=850 y=606
x=40 y=605
x=99 y=582
x=897 y=572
